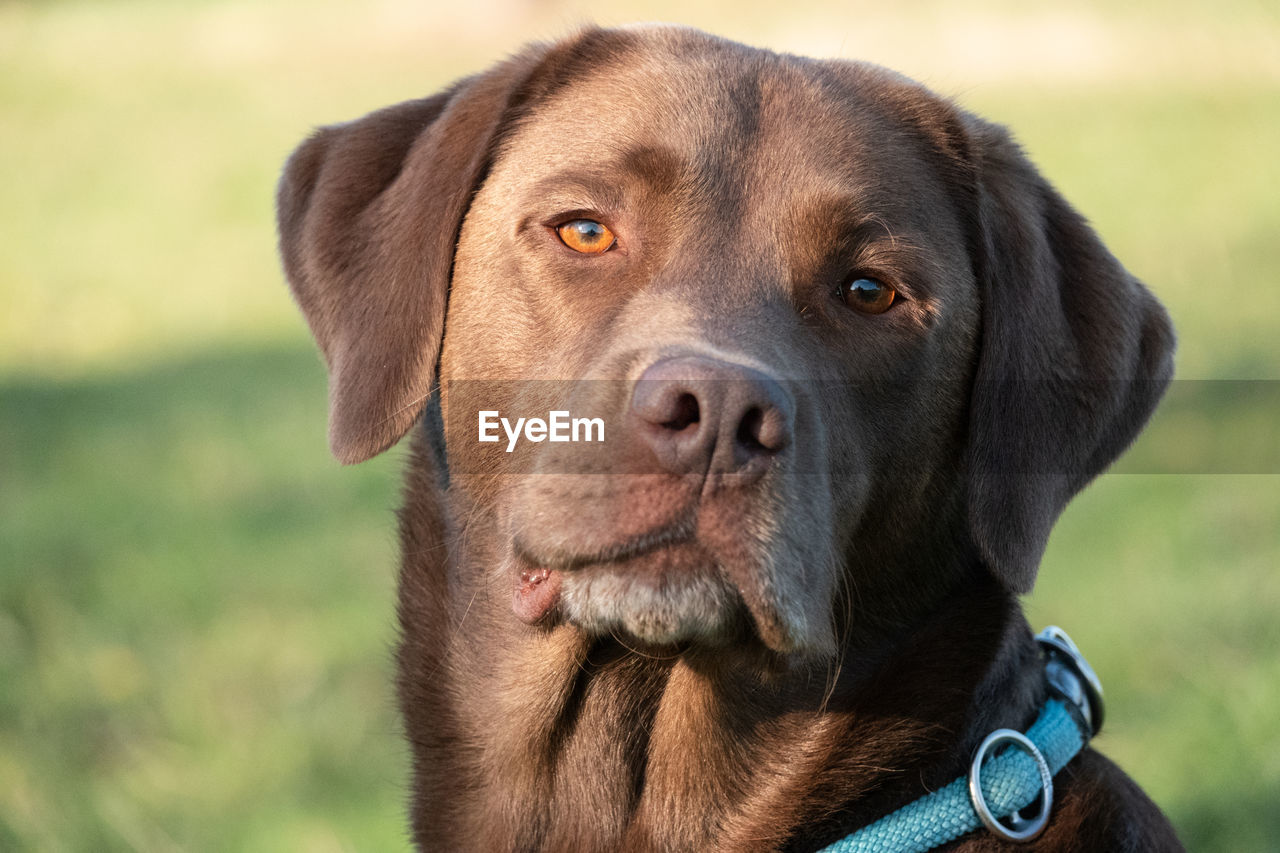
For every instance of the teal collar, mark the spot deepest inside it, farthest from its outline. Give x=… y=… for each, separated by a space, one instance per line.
x=1001 y=783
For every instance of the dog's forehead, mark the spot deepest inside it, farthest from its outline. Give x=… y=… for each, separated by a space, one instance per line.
x=723 y=113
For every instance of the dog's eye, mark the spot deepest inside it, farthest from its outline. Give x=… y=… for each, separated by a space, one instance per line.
x=586 y=236
x=867 y=295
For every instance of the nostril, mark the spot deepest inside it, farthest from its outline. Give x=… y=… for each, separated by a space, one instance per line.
x=749 y=430
x=684 y=411
x=762 y=430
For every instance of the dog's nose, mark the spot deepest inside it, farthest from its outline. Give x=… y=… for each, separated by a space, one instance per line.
x=703 y=414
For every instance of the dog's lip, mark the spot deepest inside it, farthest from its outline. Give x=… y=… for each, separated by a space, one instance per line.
x=560 y=559
x=538 y=578
x=536 y=593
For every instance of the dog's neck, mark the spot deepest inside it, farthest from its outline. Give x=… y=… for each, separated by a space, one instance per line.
x=528 y=738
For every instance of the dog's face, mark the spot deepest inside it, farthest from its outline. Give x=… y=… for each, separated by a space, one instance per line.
x=738 y=198
x=840 y=336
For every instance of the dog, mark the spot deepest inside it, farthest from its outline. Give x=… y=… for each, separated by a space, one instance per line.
x=850 y=355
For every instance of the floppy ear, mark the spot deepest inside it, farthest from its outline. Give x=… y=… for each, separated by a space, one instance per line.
x=1075 y=355
x=369 y=213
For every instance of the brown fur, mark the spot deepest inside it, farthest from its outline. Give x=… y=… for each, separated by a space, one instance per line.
x=761 y=651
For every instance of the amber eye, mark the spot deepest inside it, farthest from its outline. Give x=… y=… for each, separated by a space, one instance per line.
x=586 y=236
x=867 y=295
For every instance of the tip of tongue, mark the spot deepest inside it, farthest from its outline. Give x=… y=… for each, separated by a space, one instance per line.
x=537 y=591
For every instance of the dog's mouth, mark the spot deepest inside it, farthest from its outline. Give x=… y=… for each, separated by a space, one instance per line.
x=660 y=590
x=666 y=587
x=678 y=532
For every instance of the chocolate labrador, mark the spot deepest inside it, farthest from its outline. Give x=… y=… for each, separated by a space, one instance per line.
x=745 y=390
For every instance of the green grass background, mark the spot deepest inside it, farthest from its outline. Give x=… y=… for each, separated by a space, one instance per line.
x=196 y=602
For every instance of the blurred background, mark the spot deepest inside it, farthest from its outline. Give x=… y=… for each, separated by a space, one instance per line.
x=196 y=602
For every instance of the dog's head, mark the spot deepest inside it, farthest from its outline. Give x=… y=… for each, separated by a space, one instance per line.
x=840 y=335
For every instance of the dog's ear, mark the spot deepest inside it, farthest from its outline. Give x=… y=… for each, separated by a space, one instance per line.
x=1075 y=355
x=369 y=214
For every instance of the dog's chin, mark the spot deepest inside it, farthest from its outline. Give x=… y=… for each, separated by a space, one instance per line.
x=694 y=605
x=667 y=592
x=659 y=593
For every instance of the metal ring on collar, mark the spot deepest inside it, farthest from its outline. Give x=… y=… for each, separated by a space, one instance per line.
x=1019 y=828
x=1070 y=675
